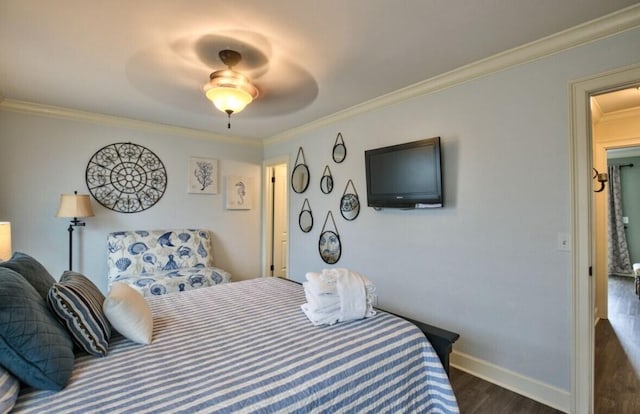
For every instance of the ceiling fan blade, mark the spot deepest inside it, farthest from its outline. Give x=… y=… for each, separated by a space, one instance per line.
x=174 y=82
x=175 y=74
x=285 y=88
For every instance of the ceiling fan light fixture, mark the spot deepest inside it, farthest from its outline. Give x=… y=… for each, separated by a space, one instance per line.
x=227 y=98
x=229 y=90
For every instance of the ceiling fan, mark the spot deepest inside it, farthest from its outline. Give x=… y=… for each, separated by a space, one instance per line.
x=173 y=73
x=229 y=90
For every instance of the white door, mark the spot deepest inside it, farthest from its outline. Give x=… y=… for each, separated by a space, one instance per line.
x=279 y=217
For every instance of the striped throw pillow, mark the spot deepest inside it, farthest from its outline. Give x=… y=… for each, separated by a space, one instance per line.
x=9 y=389
x=78 y=304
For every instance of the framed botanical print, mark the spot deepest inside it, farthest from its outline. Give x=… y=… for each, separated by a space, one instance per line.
x=203 y=176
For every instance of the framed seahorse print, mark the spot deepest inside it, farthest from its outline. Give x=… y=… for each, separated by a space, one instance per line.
x=238 y=192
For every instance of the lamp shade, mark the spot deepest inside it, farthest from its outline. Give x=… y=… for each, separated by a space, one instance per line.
x=75 y=205
x=229 y=99
x=230 y=91
x=5 y=240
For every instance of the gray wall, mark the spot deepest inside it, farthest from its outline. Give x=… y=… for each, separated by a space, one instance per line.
x=487 y=265
x=43 y=157
x=630 y=180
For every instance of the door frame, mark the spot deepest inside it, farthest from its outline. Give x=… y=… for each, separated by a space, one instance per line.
x=267 y=239
x=582 y=231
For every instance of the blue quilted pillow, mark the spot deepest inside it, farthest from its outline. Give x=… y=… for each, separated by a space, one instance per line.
x=32 y=270
x=78 y=304
x=34 y=347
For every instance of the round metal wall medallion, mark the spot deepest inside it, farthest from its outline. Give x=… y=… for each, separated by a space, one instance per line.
x=126 y=177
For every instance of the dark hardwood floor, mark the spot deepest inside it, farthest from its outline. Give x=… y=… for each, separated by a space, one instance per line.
x=617 y=366
x=476 y=396
x=617 y=353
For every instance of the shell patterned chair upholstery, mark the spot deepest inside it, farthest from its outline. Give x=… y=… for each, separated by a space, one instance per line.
x=156 y=262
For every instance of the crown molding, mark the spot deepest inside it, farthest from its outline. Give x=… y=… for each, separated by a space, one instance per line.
x=109 y=120
x=596 y=110
x=609 y=25
x=620 y=115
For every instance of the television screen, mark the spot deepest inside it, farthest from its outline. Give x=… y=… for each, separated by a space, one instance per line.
x=405 y=175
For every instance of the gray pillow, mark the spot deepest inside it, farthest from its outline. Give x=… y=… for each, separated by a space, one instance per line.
x=34 y=346
x=32 y=270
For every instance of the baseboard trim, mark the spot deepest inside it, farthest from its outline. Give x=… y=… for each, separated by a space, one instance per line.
x=536 y=390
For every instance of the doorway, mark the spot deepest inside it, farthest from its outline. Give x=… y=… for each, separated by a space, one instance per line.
x=615 y=132
x=583 y=228
x=276 y=219
x=615 y=136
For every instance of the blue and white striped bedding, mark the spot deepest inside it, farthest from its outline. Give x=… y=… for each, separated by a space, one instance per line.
x=246 y=347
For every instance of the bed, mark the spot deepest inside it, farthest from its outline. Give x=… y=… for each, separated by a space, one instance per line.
x=247 y=347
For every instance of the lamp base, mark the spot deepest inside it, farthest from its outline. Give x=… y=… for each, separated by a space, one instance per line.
x=75 y=222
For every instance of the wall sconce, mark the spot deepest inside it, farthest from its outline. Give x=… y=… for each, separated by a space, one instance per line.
x=5 y=240
x=602 y=178
x=74 y=205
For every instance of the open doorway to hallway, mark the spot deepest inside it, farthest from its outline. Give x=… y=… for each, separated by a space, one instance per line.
x=276 y=219
x=615 y=140
x=615 y=135
x=585 y=261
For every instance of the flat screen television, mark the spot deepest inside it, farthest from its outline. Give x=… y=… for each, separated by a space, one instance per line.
x=406 y=175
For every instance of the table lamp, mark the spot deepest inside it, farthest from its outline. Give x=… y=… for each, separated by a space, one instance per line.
x=5 y=240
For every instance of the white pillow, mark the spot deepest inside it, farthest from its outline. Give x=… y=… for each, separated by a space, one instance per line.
x=129 y=313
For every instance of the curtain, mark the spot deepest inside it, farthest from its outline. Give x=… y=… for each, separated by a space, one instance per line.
x=619 y=259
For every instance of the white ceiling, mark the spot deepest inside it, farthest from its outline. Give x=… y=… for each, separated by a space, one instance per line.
x=148 y=60
x=618 y=100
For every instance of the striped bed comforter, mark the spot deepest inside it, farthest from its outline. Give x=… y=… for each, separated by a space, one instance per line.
x=247 y=347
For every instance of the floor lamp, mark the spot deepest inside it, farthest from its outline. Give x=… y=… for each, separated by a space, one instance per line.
x=5 y=240
x=77 y=206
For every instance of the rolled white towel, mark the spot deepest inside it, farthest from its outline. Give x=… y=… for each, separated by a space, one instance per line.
x=320 y=284
x=337 y=295
x=327 y=302
x=319 y=318
x=353 y=296
x=330 y=276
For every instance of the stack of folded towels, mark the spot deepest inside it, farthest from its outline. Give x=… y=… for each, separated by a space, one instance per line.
x=337 y=295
